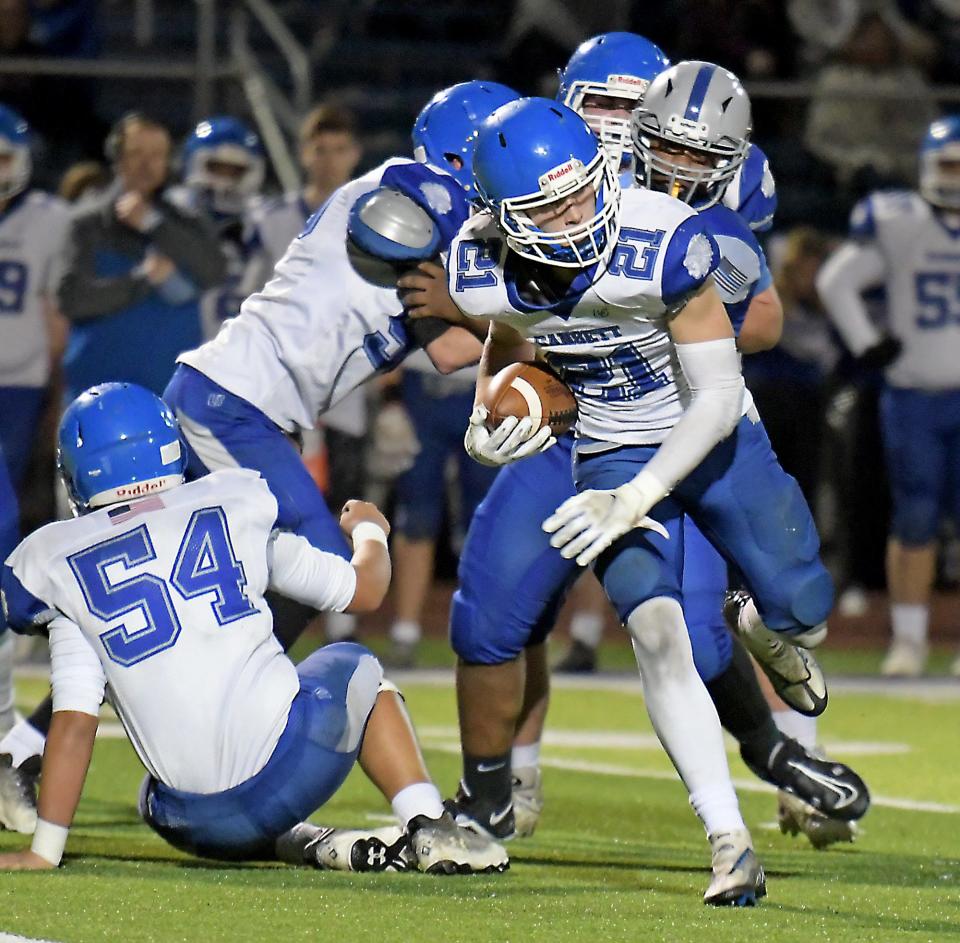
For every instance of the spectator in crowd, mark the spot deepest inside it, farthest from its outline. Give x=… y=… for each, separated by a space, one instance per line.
x=83 y=181
x=438 y=407
x=33 y=226
x=329 y=154
x=869 y=109
x=789 y=382
x=135 y=267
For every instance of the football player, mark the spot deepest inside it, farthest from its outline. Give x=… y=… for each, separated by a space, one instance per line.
x=223 y=168
x=909 y=243
x=316 y=331
x=506 y=558
x=156 y=589
x=615 y=293
x=33 y=228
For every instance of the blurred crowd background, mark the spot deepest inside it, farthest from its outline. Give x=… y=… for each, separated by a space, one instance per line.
x=842 y=90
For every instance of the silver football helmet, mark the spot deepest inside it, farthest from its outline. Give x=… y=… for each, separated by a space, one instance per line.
x=691 y=132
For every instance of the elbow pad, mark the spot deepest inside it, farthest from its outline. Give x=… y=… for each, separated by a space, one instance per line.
x=390 y=226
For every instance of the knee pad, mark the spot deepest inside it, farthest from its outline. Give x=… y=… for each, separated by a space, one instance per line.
x=659 y=636
x=487 y=633
x=631 y=576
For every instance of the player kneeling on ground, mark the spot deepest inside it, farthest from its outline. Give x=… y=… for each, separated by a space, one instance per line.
x=157 y=590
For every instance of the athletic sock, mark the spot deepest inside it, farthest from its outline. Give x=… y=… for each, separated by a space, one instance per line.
x=488 y=779
x=22 y=742
x=418 y=799
x=338 y=626
x=742 y=708
x=910 y=622
x=802 y=729
x=405 y=632
x=525 y=756
x=682 y=713
x=586 y=628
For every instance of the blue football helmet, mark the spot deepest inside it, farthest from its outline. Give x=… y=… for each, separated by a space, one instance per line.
x=940 y=185
x=118 y=442
x=535 y=152
x=446 y=129
x=229 y=143
x=14 y=141
x=617 y=67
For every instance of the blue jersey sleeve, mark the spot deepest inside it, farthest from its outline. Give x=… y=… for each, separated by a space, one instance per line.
x=862 y=225
x=691 y=256
x=438 y=194
x=24 y=613
x=758 y=191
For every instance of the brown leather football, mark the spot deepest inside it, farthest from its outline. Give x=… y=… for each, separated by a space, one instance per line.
x=530 y=389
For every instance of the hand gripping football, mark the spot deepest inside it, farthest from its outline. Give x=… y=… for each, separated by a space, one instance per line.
x=530 y=389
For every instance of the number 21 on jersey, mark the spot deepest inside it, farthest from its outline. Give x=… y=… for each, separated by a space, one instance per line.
x=205 y=564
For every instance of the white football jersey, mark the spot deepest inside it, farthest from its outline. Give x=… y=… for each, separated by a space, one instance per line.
x=270 y=228
x=921 y=258
x=167 y=592
x=33 y=232
x=316 y=331
x=610 y=344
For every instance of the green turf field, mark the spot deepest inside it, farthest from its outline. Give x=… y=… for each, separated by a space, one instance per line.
x=618 y=856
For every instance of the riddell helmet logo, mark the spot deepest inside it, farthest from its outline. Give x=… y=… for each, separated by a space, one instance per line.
x=558 y=177
x=630 y=83
x=141 y=488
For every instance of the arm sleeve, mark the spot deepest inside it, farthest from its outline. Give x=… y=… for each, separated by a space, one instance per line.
x=84 y=296
x=314 y=577
x=712 y=369
x=192 y=246
x=76 y=675
x=845 y=275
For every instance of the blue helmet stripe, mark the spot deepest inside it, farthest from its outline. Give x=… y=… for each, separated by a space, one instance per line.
x=699 y=91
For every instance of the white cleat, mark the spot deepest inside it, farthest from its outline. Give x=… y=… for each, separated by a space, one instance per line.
x=440 y=846
x=738 y=879
x=905 y=659
x=378 y=849
x=18 y=794
x=792 y=670
x=527 y=800
x=796 y=816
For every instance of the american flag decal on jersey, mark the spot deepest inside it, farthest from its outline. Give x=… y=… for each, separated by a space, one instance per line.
x=125 y=512
x=729 y=277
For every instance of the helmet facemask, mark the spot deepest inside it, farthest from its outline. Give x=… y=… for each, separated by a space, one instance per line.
x=575 y=247
x=699 y=186
x=230 y=190
x=613 y=131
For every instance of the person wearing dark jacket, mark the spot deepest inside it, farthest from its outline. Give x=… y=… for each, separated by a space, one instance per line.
x=135 y=268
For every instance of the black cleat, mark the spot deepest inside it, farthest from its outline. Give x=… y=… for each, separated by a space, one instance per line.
x=829 y=787
x=481 y=817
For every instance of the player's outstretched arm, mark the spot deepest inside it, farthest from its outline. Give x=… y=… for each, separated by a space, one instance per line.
x=368 y=529
x=66 y=758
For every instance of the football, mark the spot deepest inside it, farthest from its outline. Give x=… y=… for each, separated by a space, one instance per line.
x=530 y=389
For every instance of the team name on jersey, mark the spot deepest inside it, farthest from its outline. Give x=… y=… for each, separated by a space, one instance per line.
x=565 y=338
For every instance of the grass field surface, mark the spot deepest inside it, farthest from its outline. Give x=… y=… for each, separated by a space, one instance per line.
x=619 y=854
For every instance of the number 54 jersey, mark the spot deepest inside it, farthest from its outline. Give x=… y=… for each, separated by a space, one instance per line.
x=608 y=338
x=163 y=602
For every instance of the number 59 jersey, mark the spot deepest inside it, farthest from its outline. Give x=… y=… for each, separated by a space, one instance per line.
x=608 y=339
x=164 y=598
x=921 y=268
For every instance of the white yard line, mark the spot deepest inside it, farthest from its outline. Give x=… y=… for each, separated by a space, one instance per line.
x=13 y=938
x=746 y=785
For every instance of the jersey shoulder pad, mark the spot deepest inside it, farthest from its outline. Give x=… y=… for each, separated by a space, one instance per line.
x=757 y=197
x=437 y=193
x=882 y=209
x=691 y=256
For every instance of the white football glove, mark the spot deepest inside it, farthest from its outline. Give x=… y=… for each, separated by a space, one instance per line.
x=509 y=442
x=586 y=524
